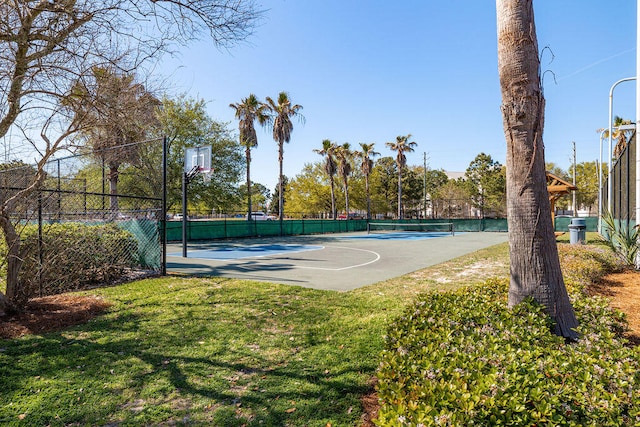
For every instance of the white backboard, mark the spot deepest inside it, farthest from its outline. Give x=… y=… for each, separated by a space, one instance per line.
x=199 y=157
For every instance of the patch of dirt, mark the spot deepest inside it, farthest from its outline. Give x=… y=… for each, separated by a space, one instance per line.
x=51 y=313
x=624 y=291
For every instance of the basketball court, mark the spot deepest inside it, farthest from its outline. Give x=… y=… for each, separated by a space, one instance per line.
x=340 y=262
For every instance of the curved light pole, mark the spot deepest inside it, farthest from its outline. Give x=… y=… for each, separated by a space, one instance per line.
x=610 y=183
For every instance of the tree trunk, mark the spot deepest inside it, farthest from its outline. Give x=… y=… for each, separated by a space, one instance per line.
x=399 y=192
x=280 y=184
x=366 y=189
x=8 y=301
x=535 y=266
x=113 y=187
x=333 y=197
x=346 y=198
x=248 y=154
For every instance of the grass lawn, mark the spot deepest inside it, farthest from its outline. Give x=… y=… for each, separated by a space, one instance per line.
x=212 y=351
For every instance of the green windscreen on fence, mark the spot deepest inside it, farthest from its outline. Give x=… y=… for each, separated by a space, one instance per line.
x=239 y=228
x=562 y=223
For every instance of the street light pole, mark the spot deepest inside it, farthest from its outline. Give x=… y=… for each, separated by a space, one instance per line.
x=573 y=196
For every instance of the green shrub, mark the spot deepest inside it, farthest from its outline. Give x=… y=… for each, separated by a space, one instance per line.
x=586 y=264
x=73 y=256
x=464 y=358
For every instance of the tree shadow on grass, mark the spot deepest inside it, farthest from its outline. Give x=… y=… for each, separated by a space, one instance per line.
x=154 y=380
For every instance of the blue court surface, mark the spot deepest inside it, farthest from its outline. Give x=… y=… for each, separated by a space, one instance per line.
x=338 y=262
x=239 y=252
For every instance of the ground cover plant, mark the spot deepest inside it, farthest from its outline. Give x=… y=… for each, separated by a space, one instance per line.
x=463 y=358
x=210 y=351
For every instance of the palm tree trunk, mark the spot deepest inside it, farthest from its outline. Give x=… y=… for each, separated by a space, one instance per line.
x=399 y=193
x=248 y=156
x=366 y=187
x=280 y=183
x=333 y=198
x=346 y=197
x=535 y=266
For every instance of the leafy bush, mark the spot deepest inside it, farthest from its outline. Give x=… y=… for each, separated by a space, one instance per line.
x=622 y=237
x=72 y=256
x=464 y=358
x=585 y=264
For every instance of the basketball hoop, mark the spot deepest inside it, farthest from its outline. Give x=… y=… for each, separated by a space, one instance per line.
x=207 y=174
x=197 y=160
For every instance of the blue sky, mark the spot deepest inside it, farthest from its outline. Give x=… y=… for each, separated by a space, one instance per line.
x=368 y=71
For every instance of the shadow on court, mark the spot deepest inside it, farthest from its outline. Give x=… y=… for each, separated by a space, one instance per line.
x=332 y=262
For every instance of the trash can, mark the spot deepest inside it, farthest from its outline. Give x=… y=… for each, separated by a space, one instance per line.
x=578 y=231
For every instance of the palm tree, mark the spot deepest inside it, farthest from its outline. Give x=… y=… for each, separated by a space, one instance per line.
x=535 y=266
x=329 y=153
x=619 y=135
x=401 y=145
x=282 y=111
x=366 y=166
x=248 y=110
x=344 y=155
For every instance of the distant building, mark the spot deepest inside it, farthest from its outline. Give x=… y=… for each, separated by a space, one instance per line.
x=455 y=175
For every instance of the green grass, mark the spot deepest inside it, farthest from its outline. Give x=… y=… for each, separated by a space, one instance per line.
x=211 y=351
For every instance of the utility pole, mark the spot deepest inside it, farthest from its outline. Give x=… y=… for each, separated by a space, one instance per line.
x=575 y=207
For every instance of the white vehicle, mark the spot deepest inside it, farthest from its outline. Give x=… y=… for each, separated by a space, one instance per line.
x=261 y=216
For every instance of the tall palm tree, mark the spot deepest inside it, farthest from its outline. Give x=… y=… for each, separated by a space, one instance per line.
x=619 y=135
x=248 y=110
x=366 y=166
x=535 y=266
x=329 y=153
x=401 y=145
x=344 y=156
x=282 y=112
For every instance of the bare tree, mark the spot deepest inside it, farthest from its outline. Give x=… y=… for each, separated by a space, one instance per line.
x=119 y=113
x=47 y=46
x=535 y=267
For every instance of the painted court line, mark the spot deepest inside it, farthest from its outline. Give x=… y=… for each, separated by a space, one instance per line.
x=377 y=257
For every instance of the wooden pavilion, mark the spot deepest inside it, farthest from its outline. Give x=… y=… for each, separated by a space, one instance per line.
x=557 y=187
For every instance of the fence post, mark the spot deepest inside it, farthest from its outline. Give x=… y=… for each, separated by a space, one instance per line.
x=163 y=219
x=40 y=255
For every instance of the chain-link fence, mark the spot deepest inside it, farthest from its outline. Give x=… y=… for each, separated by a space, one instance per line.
x=91 y=219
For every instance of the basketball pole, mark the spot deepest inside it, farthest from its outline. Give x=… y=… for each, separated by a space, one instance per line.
x=164 y=206
x=186 y=178
x=184 y=214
